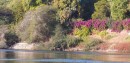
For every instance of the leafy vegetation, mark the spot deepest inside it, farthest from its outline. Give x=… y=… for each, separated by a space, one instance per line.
x=61 y=41
x=91 y=42
x=63 y=23
x=37 y=25
x=81 y=32
x=103 y=34
x=102 y=10
x=118 y=9
x=19 y=7
x=66 y=9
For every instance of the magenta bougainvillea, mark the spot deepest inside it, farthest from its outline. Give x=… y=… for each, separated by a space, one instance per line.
x=126 y=24
x=83 y=23
x=94 y=24
x=117 y=26
x=101 y=25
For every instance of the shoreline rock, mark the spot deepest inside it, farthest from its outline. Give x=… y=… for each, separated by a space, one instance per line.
x=25 y=46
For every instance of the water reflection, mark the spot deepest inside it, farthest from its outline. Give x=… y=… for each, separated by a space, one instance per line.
x=15 y=56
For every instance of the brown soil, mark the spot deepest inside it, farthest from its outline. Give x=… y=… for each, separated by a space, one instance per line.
x=118 y=43
x=115 y=44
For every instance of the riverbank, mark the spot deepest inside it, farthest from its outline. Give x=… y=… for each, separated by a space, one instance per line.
x=113 y=42
x=119 y=42
x=109 y=42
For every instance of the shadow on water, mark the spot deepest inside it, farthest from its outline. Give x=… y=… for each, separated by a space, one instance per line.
x=24 y=56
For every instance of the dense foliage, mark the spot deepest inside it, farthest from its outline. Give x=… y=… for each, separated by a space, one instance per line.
x=118 y=9
x=37 y=25
x=63 y=22
x=61 y=41
x=101 y=10
x=19 y=7
x=99 y=25
x=66 y=9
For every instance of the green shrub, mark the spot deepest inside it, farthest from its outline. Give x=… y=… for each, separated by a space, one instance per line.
x=37 y=25
x=60 y=44
x=103 y=33
x=62 y=41
x=65 y=43
x=59 y=38
x=81 y=32
x=91 y=42
x=72 y=41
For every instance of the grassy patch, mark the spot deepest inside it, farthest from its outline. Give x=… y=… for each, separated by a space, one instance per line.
x=91 y=42
x=127 y=38
x=102 y=34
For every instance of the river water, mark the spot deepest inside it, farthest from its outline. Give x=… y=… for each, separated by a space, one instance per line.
x=24 y=56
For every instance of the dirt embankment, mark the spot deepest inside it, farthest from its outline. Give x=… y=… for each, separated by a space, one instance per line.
x=120 y=42
x=117 y=42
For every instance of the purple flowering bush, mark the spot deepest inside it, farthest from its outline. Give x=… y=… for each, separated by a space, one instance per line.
x=126 y=24
x=101 y=25
x=117 y=26
x=95 y=24
x=88 y=24
x=78 y=24
x=82 y=28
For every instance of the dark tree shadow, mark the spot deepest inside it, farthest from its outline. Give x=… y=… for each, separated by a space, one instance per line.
x=87 y=8
x=11 y=39
x=6 y=16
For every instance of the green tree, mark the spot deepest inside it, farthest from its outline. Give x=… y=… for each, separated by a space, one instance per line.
x=67 y=9
x=101 y=10
x=59 y=39
x=58 y=33
x=118 y=9
x=128 y=10
x=62 y=41
x=3 y=3
x=6 y=15
x=19 y=7
x=37 y=25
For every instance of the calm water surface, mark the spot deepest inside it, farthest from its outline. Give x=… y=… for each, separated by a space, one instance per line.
x=23 y=56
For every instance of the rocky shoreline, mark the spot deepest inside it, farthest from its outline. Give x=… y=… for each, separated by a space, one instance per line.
x=102 y=48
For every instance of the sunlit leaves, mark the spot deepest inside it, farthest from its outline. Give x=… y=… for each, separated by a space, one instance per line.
x=118 y=9
x=102 y=10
